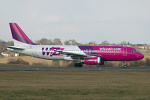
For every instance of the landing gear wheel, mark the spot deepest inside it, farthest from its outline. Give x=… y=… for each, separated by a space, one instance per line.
x=125 y=65
x=78 y=65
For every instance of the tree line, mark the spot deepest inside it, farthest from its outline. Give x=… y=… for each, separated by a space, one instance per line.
x=56 y=41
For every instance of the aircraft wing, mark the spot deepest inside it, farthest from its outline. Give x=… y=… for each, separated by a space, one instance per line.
x=73 y=55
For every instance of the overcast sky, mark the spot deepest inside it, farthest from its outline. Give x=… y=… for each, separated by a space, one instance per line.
x=82 y=20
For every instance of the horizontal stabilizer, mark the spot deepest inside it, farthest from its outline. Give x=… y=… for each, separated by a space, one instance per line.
x=16 y=48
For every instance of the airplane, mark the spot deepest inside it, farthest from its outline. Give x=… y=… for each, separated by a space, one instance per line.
x=90 y=55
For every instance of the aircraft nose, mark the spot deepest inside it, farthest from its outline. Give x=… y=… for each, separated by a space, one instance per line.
x=140 y=56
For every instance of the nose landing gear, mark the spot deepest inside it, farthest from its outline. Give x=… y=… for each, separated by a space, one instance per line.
x=125 y=65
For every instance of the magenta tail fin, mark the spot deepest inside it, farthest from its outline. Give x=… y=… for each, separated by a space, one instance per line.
x=19 y=35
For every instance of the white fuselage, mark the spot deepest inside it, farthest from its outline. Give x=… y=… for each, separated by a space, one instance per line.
x=49 y=51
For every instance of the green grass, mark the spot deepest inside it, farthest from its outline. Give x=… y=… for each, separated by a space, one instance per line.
x=74 y=85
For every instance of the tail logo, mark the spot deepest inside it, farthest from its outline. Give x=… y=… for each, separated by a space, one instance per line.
x=19 y=35
x=51 y=51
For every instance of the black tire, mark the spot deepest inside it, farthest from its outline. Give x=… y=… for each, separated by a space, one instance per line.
x=124 y=66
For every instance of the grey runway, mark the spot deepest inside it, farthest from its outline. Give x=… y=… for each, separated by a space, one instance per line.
x=69 y=68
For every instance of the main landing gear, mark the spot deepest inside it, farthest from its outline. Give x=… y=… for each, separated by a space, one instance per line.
x=78 y=64
x=125 y=65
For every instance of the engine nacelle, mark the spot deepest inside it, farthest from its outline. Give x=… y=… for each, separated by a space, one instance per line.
x=93 y=61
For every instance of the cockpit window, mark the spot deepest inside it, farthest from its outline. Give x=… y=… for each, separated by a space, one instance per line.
x=135 y=51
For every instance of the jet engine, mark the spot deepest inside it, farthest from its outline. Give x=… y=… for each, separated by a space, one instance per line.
x=93 y=61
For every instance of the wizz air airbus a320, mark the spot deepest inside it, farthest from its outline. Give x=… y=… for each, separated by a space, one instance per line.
x=90 y=55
